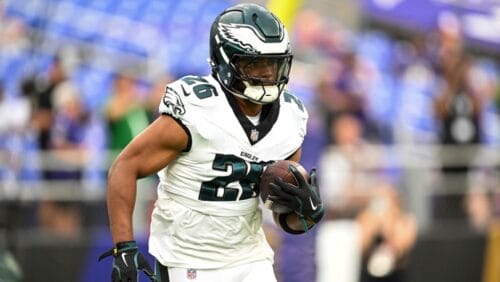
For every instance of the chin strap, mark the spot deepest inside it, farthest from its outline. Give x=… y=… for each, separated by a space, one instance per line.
x=261 y=94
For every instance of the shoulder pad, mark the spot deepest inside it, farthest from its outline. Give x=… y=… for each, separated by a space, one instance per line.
x=186 y=92
x=296 y=109
x=294 y=104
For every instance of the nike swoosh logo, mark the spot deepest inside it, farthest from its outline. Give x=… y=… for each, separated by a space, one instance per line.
x=123 y=258
x=313 y=206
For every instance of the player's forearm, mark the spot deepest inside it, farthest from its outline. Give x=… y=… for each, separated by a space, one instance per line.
x=121 y=201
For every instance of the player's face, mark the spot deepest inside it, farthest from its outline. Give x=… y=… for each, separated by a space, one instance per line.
x=259 y=70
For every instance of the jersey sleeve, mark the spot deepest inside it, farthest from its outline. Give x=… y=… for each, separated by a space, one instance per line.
x=175 y=104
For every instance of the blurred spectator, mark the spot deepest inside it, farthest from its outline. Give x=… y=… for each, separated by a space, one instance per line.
x=446 y=45
x=15 y=114
x=482 y=205
x=350 y=168
x=414 y=121
x=13 y=38
x=346 y=91
x=414 y=125
x=479 y=206
x=317 y=37
x=69 y=130
x=343 y=77
x=343 y=87
x=458 y=108
x=43 y=110
x=309 y=29
x=338 y=234
x=348 y=174
x=126 y=116
x=363 y=212
x=388 y=234
x=67 y=157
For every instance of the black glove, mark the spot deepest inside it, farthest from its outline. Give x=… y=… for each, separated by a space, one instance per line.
x=128 y=260
x=304 y=199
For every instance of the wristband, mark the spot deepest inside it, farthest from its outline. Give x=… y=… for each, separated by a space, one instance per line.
x=125 y=246
x=119 y=247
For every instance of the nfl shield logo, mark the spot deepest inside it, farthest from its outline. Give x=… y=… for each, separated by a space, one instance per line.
x=254 y=135
x=191 y=274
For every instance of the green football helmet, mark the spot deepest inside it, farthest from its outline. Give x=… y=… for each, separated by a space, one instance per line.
x=250 y=53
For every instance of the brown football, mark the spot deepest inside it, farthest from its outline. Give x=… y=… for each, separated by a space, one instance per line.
x=281 y=169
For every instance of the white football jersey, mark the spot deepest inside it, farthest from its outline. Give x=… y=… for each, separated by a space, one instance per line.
x=207 y=214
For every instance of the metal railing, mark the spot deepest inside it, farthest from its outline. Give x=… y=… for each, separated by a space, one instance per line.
x=93 y=166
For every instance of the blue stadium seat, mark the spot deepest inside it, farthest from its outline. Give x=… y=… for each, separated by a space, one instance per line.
x=157 y=12
x=130 y=8
x=31 y=11
x=376 y=46
x=108 y=6
x=94 y=85
x=12 y=71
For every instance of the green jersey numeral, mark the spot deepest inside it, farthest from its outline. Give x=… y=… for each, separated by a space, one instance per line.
x=202 y=89
x=290 y=98
x=246 y=173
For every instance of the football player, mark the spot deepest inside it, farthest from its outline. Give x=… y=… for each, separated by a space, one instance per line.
x=213 y=140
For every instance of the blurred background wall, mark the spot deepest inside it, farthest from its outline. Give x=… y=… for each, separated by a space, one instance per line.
x=404 y=129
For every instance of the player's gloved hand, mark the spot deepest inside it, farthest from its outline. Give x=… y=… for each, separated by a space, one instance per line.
x=127 y=261
x=303 y=199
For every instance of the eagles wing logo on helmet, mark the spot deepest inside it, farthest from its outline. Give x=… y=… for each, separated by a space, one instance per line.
x=236 y=33
x=248 y=38
x=173 y=102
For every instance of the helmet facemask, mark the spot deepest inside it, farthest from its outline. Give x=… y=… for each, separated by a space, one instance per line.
x=260 y=78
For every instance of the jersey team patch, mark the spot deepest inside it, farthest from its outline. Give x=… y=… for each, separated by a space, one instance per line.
x=173 y=102
x=191 y=274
